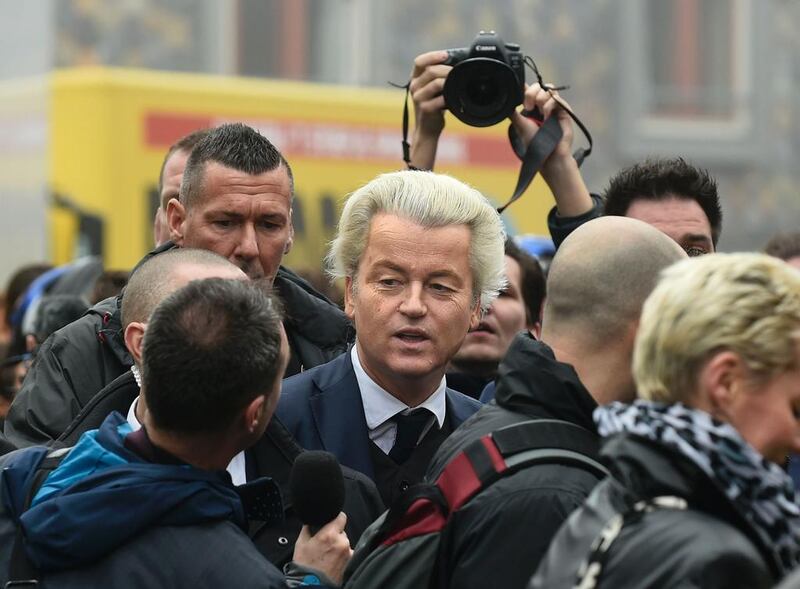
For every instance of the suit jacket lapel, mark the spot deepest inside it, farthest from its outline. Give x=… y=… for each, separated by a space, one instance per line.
x=456 y=407
x=339 y=415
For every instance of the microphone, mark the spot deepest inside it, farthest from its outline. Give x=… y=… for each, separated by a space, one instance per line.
x=316 y=487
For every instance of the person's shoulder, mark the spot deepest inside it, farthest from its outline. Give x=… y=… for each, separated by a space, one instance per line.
x=692 y=544
x=296 y=291
x=309 y=312
x=118 y=395
x=463 y=402
x=487 y=394
x=214 y=554
x=86 y=326
x=295 y=392
x=320 y=376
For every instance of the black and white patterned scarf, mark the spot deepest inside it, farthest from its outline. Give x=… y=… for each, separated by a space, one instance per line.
x=760 y=489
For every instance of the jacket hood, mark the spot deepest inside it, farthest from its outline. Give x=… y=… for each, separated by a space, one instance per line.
x=102 y=495
x=531 y=381
x=311 y=314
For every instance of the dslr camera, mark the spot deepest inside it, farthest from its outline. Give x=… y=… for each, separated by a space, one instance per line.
x=487 y=81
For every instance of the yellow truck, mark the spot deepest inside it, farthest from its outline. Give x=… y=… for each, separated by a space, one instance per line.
x=107 y=131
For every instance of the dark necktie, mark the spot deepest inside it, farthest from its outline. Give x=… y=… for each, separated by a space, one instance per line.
x=409 y=429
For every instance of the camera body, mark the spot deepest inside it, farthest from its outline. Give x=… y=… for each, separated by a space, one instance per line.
x=487 y=81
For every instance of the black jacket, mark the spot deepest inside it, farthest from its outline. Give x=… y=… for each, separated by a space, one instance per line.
x=78 y=360
x=510 y=524
x=561 y=227
x=710 y=545
x=273 y=456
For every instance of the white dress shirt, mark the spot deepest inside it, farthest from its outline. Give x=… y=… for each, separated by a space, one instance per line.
x=380 y=406
x=236 y=468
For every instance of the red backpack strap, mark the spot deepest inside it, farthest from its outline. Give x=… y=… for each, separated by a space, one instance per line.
x=513 y=448
x=426 y=508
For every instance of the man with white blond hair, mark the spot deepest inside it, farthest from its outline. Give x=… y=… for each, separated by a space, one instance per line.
x=421 y=256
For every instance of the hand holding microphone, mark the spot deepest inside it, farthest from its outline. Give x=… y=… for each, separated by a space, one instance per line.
x=316 y=486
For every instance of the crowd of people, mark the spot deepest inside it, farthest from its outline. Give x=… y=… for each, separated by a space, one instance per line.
x=627 y=419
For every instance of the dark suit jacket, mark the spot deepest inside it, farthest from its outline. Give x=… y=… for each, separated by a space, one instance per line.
x=322 y=409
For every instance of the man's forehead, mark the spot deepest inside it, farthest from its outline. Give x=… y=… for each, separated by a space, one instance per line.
x=674 y=216
x=399 y=243
x=220 y=181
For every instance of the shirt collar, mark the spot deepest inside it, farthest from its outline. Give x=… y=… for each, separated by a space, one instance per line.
x=237 y=468
x=380 y=405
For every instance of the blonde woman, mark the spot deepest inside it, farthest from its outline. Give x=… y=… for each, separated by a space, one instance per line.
x=697 y=496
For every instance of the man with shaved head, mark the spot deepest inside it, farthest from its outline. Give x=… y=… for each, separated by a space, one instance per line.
x=597 y=284
x=156 y=279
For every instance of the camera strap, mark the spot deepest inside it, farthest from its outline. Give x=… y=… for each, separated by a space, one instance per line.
x=545 y=140
x=538 y=150
x=541 y=146
x=406 y=144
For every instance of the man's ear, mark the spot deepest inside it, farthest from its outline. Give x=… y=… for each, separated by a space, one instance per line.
x=289 y=242
x=349 y=308
x=134 y=338
x=719 y=381
x=536 y=326
x=176 y=217
x=255 y=413
x=30 y=342
x=476 y=314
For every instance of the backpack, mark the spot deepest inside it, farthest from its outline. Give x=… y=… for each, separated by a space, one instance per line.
x=402 y=549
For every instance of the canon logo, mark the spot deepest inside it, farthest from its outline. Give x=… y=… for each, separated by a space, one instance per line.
x=485 y=47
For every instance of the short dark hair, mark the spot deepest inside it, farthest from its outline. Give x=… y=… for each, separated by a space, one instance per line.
x=532 y=278
x=185 y=143
x=784 y=246
x=210 y=348
x=235 y=146
x=109 y=284
x=660 y=179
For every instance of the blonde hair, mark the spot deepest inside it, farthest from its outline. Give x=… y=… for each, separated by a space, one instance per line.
x=431 y=200
x=745 y=303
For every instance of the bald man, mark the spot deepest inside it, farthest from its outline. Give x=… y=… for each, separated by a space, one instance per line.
x=597 y=284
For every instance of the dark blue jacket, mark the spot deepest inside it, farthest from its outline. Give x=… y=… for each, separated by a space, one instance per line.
x=106 y=516
x=322 y=409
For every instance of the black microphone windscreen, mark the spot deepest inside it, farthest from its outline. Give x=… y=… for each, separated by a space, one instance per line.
x=316 y=485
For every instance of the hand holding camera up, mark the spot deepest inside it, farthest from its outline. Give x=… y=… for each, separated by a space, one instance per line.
x=427 y=83
x=485 y=86
x=481 y=85
x=547 y=102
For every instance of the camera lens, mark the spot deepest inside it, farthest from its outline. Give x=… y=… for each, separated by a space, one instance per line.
x=482 y=91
